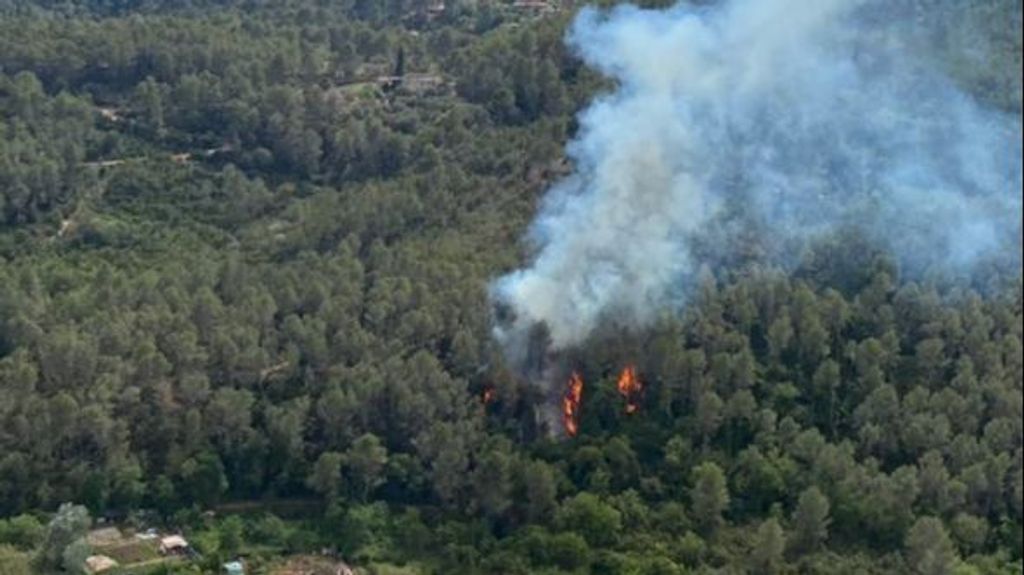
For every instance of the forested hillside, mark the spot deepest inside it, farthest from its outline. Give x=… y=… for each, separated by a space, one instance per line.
x=245 y=250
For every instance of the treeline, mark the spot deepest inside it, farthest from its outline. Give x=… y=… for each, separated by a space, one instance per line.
x=235 y=265
x=815 y=419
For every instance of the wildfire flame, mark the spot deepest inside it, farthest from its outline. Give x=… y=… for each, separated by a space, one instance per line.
x=488 y=395
x=571 y=404
x=630 y=387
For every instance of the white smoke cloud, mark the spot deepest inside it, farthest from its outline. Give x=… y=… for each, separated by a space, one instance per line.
x=798 y=116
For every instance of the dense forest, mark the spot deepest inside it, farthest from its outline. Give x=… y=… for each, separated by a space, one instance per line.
x=245 y=249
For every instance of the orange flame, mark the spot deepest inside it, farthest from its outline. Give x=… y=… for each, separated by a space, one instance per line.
x=630 y=387
x=488 y=395
x=571 y=404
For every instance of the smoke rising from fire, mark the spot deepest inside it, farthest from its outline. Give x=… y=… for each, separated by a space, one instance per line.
x=789 y=117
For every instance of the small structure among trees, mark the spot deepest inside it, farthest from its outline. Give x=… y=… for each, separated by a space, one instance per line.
x=99 y=563
x=416 y=83
x=173 y=545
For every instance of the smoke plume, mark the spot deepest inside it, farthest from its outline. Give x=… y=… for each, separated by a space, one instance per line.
x=789 y=117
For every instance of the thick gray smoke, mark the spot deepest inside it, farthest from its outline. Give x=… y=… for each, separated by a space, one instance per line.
x=792 y=116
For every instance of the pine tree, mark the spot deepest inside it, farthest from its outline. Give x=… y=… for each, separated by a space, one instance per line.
x=810 y=521
x=709 y=496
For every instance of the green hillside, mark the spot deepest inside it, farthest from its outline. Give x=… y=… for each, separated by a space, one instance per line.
x=245 y=250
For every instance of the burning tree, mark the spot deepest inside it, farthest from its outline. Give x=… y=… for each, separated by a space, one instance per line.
x=629 y=386
x=571 y=404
